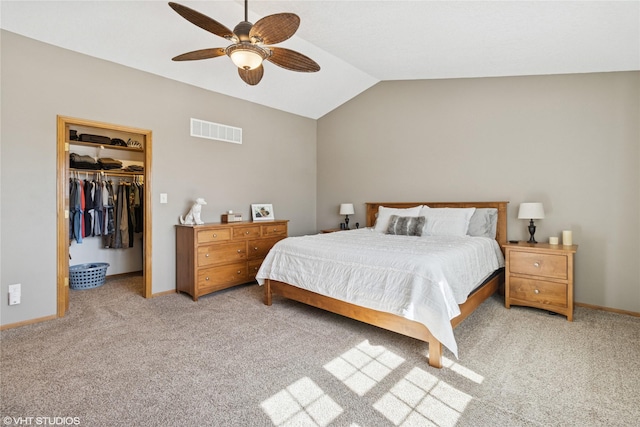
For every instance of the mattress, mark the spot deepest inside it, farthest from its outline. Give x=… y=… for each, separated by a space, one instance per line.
x=419 y=278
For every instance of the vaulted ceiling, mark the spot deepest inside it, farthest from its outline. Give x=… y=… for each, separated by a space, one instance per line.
x=356 y=43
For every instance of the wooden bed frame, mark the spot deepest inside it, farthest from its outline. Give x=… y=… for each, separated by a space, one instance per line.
x=390 y=321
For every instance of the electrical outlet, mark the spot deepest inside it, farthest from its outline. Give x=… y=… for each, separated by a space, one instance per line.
x=163 y=198
x=14 y=294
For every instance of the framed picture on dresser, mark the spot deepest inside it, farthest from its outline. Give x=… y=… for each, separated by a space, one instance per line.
x=262 y=212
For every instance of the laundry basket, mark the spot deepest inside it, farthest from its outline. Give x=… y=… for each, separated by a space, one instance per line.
x=87 y=276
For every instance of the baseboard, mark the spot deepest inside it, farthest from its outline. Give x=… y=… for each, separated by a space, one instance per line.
x=27 y=322
x=159 y=294
x=120 y=275
x=173 y=291
x=612 y=310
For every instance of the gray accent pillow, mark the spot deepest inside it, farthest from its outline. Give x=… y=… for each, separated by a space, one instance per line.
x=483 y=223
x=406 y=225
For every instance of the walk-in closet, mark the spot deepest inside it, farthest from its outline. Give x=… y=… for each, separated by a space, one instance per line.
x=104 y=204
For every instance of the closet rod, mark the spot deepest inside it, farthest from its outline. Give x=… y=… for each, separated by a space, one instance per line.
x=107 y=172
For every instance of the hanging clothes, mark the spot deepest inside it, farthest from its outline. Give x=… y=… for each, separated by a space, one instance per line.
x=113 y=212
x=82 y=206
x=75 y=211
x=97 y=211
x=138 y=206
x=108 y=206
x=88 y=209
x=118 y=218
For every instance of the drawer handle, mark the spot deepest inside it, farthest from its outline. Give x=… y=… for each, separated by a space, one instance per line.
x=215 y=235
x=536 y=291
x=246 y=232
x=275 y=229
x=206 y=278
x=255 y=249
x=536 y=264
x=206 y=255
x=239 y=250
x=239 y=272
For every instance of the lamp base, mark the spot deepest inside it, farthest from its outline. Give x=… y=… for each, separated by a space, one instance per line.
x=532 y=231
x=346 y=222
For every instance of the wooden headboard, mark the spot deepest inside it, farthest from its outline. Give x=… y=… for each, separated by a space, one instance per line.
x=501 y=228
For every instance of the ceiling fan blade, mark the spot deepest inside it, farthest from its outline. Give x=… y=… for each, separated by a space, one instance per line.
x=276 y=28
x=200 y=54
x=202 y=21
x=292 y=60
x=251 y=77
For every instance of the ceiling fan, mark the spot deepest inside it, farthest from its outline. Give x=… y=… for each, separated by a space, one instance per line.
x=251 y=43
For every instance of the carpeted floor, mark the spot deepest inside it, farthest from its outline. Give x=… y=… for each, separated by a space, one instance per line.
x=228 y=360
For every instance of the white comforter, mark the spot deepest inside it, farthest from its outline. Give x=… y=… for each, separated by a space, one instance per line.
x=419 y=278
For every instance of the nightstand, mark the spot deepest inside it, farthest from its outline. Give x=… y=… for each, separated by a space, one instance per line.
x=540 y=275
x=332 y=230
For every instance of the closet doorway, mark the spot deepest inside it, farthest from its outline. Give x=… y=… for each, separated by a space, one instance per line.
x=111 y=140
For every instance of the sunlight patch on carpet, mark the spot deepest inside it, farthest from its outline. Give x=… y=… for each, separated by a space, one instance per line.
x=461 y=370
x=417 y=399
x=301 y=403
x=363 y=366
x=421 y=399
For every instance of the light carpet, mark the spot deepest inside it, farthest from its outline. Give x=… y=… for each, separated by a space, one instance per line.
x=118 y=359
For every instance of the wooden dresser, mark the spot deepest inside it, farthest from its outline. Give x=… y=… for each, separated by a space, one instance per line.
x=216 y=256
x=540 y=275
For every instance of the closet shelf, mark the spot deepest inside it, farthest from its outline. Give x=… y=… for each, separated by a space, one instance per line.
x=106 y=147
x=114 y=172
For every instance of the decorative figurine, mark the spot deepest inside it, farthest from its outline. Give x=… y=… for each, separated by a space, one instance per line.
x=193 y=216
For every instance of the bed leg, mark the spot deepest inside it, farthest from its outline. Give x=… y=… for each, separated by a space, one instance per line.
x=267 y=292
x=435 y=354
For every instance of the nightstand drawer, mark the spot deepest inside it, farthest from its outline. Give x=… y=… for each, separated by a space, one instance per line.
x=538 y=291
x=536 y=264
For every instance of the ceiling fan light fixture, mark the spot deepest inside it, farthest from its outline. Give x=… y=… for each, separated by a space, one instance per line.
x=246 y=56
x=251 y=43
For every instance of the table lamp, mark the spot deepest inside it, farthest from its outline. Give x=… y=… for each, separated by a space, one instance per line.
x=531 y=211
x=346 y=209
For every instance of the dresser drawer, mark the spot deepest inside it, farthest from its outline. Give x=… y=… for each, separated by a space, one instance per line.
x=246 y=232
x=224 y=275
x=545 y=265
x=214 y=235
x=260 y=248
x=221 y=254
x=279 y=229
x=538 y=291
x=254 y=266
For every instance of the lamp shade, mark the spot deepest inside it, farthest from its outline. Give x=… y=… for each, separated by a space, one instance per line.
x=531 y=211
x=346 y=209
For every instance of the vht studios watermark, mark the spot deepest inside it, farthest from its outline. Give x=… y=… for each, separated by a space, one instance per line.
x=40 y=421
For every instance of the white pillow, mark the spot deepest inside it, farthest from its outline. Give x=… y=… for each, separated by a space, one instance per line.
x=483 y=223
x=446 y=221
x=382 y=222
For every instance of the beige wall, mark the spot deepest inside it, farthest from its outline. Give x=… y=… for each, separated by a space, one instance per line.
x=275 y=164
x=569 y=141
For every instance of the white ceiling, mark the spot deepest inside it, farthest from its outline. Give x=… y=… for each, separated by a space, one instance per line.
x=356 y=43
